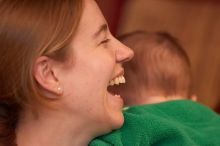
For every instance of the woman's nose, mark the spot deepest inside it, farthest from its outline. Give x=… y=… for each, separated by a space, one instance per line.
x=123 y=53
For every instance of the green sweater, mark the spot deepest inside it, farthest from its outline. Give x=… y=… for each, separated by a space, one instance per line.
x=173 y=123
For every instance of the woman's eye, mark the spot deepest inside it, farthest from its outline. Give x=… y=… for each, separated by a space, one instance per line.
x=104 y=41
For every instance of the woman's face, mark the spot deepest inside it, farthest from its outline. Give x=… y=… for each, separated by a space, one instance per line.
x=96 y=60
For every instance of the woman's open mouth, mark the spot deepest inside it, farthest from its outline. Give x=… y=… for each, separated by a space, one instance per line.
x=113 y=86
x=117 y=81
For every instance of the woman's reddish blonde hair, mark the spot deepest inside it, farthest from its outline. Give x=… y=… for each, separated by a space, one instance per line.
x=30 y=29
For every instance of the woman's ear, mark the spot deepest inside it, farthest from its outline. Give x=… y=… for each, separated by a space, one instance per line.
x=45 y=73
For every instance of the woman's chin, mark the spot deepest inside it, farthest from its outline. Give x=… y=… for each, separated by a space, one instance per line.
x=119 y=122
x=115 y=106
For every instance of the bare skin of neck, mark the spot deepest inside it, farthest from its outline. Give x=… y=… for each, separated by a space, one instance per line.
x=51 y=130
x=140 y=97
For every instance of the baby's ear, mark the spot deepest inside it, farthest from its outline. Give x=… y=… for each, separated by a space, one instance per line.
x=193 y=97
x=45 y=73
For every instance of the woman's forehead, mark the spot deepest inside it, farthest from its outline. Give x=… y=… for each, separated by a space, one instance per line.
x=91 y=22
x=92 y=17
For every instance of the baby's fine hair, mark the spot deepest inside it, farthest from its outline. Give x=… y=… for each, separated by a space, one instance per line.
x=160 y=64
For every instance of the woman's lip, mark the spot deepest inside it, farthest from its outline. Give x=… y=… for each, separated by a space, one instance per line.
x=117 y=98
x=119 y=73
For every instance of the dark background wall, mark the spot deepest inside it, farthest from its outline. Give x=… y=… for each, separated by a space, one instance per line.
x=112 y=10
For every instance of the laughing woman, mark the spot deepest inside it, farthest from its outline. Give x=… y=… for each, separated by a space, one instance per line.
x=57 y=58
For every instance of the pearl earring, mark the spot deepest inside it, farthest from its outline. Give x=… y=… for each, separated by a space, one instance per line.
x=59 y=90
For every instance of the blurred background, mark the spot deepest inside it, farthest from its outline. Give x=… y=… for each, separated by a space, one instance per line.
x=195 y=23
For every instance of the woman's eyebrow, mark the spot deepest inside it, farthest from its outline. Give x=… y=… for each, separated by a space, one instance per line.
x=102 y=28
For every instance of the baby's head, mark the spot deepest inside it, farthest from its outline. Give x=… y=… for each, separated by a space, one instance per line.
x=159 y=71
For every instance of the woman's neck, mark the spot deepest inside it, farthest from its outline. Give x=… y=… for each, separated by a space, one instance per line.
x=51 y=130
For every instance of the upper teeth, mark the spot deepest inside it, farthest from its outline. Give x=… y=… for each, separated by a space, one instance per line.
x=117 y=81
